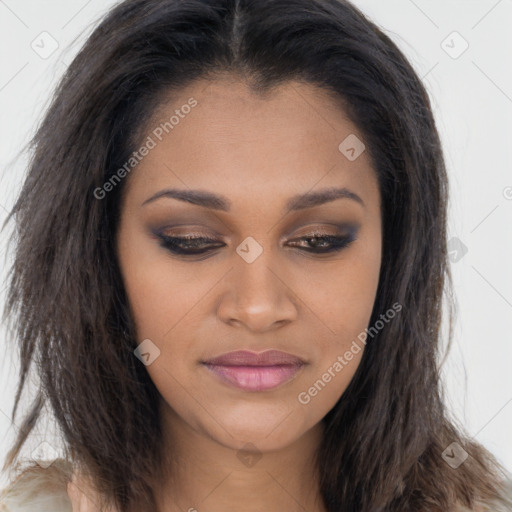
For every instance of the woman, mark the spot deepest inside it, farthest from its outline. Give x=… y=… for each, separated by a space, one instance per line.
x=230 y=261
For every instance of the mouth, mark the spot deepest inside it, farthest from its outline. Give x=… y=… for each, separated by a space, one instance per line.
x=251 y=371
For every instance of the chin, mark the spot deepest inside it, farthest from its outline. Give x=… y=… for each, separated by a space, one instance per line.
x=266 y=430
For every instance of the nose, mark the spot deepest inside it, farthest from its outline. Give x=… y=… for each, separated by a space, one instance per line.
x=258 y=295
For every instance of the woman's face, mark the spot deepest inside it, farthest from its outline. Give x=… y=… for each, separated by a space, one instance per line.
x=258 y=285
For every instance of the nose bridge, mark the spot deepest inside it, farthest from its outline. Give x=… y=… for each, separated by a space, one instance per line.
x=257 y=295
x=256 y=281
x=254 y=268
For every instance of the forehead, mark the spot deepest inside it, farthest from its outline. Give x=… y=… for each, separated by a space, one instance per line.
x=243 y=144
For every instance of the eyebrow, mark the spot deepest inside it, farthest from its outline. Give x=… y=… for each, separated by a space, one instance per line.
x=216 y=202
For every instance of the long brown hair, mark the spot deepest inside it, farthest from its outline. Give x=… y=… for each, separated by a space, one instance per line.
x=385 y=436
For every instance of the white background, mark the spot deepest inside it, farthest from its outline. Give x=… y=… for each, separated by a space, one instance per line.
x=472 y=98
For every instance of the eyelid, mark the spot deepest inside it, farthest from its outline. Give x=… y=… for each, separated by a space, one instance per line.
x=315 y=228
x=185 y=232
x=336 y=229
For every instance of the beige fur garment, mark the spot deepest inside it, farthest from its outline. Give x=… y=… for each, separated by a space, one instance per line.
x=44 y=489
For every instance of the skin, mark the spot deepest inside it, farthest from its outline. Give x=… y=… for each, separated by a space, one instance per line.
x=257 y=152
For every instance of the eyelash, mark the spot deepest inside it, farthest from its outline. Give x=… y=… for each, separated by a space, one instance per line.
x=174 y=244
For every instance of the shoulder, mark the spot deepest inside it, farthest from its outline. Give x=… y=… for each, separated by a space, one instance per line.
x=43 y=488
x=39 y=488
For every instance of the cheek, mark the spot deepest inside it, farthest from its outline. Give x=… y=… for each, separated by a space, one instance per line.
x=343 y=308
x=159 y=295
x=341 y=294
x=158 y=302
x=345 y=304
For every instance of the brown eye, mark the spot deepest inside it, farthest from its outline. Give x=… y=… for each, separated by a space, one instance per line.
x=325 y=243
x=188 y=245
x=316 y=242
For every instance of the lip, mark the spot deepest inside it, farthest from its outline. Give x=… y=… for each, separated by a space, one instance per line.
x=248 y=358
x=252 y=371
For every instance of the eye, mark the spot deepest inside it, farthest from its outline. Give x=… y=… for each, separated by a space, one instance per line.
x=189 y=245
x=321 y=244
x=318 y=243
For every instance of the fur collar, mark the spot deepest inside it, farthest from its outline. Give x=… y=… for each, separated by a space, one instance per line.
x=39 y=488
x=43 y=488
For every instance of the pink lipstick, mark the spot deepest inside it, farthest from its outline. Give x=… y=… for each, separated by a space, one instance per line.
x=251 y=371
